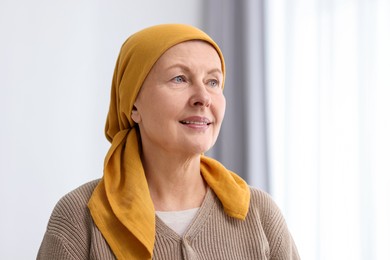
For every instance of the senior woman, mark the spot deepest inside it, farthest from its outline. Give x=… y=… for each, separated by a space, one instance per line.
x=159 y=196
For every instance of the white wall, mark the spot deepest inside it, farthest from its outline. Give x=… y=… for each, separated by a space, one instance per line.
x=56 y=65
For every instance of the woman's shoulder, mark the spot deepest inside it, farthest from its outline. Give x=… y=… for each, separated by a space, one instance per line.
x=281 y=243
x=261 y=196
x=262 y=203
x=70 y=226
x=74 y=205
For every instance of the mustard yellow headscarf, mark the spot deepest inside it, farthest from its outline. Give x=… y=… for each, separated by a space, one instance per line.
x=121 y=205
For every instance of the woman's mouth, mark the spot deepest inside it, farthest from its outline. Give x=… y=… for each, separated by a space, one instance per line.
x=187 y=122
x=196 y=121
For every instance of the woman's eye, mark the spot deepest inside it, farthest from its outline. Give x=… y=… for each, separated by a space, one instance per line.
x=178 y=79
x=213 y=83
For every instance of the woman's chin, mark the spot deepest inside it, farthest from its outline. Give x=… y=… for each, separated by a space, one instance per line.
x=203 y=149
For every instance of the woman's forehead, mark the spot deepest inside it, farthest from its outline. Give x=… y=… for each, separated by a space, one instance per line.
x=189 y=50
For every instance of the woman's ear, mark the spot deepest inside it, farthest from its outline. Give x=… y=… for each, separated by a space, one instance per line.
x=135 y=115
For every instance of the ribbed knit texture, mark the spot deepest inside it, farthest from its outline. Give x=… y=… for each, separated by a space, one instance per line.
x=71 y=233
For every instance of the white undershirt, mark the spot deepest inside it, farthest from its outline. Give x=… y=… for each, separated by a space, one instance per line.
x=178 y=221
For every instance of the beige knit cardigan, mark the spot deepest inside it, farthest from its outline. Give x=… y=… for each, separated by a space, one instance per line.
x=72 y=234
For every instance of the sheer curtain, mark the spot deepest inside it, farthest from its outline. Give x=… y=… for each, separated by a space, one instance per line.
x=328 y=96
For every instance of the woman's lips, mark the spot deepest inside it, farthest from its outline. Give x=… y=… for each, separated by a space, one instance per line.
x=196 y=121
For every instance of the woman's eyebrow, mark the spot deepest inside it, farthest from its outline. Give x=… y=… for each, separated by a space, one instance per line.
x=180 y=66
x=187 y=68
x=216 y=70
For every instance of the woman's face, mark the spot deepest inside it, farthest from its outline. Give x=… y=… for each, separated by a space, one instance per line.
x=180 y=106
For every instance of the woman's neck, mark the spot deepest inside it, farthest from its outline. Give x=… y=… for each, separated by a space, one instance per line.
x=175 y=182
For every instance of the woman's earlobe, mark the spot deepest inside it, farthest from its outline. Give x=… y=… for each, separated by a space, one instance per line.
x=135 y=115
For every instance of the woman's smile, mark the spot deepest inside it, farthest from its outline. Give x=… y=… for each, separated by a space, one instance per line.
x=196 y=122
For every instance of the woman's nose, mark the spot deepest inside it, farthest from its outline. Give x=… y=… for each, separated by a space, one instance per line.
x=201 y=97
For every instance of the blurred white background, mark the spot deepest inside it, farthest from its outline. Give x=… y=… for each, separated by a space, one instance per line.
x=325 y=71
x=56 y=64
